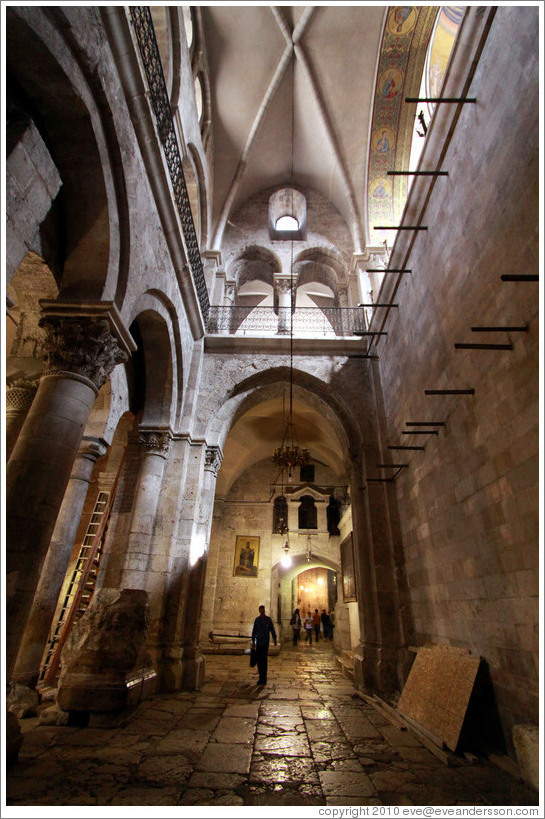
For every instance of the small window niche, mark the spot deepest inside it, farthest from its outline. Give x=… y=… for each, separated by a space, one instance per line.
x=280 y=515
x=306 y=473
x=287 y=215
x=308 y=514
x=333 y=516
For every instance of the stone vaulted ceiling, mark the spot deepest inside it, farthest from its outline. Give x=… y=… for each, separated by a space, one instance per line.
x=304 y=94
x=306 y=69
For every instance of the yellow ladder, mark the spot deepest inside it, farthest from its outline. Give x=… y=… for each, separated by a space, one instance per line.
x=80 y=589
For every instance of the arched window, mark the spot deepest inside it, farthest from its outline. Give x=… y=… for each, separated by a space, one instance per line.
x=287 y=223
x=280 y=515
x=188 y=26
x=199 y=95
x=287 y=215
x=308 y=516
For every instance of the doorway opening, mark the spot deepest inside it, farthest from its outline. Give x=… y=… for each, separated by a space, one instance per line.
x=314 y=588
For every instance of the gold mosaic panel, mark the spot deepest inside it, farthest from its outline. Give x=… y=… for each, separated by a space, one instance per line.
x=401 y=64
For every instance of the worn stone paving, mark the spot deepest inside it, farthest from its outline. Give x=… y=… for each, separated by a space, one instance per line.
x=304 y=739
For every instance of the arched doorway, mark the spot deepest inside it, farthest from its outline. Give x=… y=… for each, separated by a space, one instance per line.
x=315 y=589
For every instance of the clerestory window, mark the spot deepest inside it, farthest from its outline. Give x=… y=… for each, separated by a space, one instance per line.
x=287 y=223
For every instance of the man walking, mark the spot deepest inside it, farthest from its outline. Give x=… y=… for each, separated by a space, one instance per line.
x=326 y=625
x=316 y=621
x=260 y=641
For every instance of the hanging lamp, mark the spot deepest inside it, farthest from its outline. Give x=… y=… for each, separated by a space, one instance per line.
x=289 y=454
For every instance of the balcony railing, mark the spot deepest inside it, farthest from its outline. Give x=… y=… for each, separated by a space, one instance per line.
x=149 y=51
x=266 y=321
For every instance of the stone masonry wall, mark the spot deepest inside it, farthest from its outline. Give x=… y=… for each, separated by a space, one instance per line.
x=469 y=503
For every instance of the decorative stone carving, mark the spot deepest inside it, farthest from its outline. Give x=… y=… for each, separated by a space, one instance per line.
x=99 y=658
x=282 y=284
x=82 y=347
x=20 y=394
x=156 y=442
x=378 y=261
x=213 y=459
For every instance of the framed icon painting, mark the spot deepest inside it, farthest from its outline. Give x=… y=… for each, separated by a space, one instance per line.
x=246 y=556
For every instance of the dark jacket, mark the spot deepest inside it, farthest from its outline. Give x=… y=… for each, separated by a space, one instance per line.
x=261 y=629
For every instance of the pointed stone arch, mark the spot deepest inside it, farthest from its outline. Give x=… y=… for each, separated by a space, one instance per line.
x=67 y=103
x=159 y=342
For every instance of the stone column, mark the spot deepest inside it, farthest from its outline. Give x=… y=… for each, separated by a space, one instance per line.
x=38 y=625
x=344 y=322
x=192 y=657
x=191 y=456
x=81 y=351
x=229 y=296
x=282 y=283
x=156 y=444
x=19 y=397
x=367 y=652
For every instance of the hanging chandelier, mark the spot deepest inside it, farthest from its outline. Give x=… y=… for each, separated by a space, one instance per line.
x=289 y=454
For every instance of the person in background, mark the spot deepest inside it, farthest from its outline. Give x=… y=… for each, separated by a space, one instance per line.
x=308 y=628
x=325 y=624
x=331 y=623
x=295 y=623
x=316 y=622
x=263 y=626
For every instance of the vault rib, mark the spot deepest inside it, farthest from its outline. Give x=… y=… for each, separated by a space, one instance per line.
x=271 y=91
x=313 y=85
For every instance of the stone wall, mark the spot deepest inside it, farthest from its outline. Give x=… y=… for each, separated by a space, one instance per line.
x=469 y=502
x=32 y=183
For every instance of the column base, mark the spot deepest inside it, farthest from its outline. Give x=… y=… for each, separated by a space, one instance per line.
x=526 y=742
x=193 y=672
x=376 y=668
x=170 y=675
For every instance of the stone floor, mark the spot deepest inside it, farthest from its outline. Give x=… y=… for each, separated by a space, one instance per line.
x=304 y=739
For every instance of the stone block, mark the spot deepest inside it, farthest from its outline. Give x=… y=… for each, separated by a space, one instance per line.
x=526 y=742
x=22 y=701
x=102 y=650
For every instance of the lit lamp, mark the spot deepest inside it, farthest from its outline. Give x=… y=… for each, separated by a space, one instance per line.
x=286 y=560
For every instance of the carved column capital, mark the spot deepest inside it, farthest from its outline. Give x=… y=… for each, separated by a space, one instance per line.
x=378 y=261
x=282 y=283
x=82 y=348
x=213 y=459
x=20 y=394
x=343 y=296
x=155 y=441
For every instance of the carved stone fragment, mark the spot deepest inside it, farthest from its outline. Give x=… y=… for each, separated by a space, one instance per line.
x=99 y=659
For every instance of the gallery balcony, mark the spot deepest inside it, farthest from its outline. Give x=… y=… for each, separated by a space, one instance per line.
x=308 y=322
